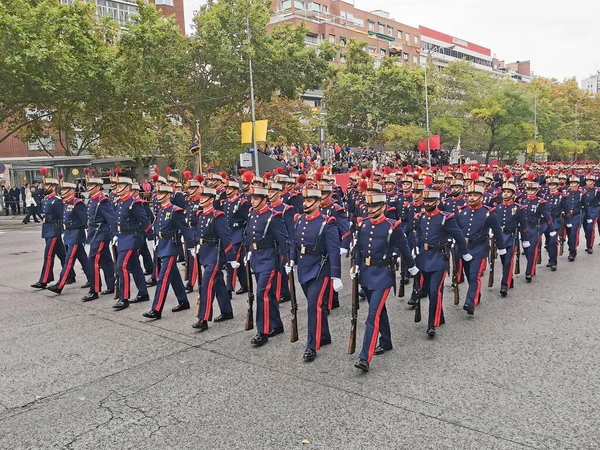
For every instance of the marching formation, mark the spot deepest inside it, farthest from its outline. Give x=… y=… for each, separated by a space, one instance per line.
x=258 y=234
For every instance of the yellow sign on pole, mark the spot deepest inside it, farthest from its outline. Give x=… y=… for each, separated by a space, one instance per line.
x=260 y=129
x=539 y=148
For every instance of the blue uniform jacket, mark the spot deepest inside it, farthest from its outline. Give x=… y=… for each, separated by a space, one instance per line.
x=317 y=244
x=236 y=211
x=376 y=242
x=537 y=216
x=591 y=202
x=475 y=225
x=52 y=210
x=214 y=238
x=296 y=200
x=434 y=230
x=74 y=221
x=170 y=219
x=267 y=239
x=288 y=220
x=132 y=222
x=192 y=209
x=341 y=222
x=178 y=199
x=100 y=214
x=572 y=204
x=511 y=217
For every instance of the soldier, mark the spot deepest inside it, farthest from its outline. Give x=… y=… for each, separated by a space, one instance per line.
x=52 y=212
x=267 y=241
x=435 y=230
x=144 y=250
x=317 y=249
x=131 y=222
x=554 y=204
x=74 y=224
x=572 y=205
x=170 y=221
x=591 y=201
x=511 y=217
x=236 y=212
x=377 y=239
x=214 y=249
x=192 y=208
x=475 y=221
x=538 y=222
x=456 y=200
x=100 y=214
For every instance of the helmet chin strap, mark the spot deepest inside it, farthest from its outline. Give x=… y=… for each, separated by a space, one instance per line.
x=377 y=211
x=309 y=208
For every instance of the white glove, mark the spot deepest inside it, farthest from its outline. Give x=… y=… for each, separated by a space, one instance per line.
x=502 y=251
x=569 y=225
x=196 y=250
x=115 y=240
x=589 y=220
x=234 y=264
x=399 y=260
x=337 y=284
x=413 y=270
x=354 y=272
x=155 y=245
x=247 y=257
x=552 y=233
x=467 y=257
x=526 y=244
x=289 y=266
x=343 y=252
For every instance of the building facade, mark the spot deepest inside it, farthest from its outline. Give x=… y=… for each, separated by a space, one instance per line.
x=338 y=22
x=591 y=84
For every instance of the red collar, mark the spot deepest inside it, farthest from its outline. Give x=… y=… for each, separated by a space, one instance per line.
x=418 y=203
x=276 y=204
x=231 y=200
x=52 y=195
x=70 y=199
x=96 y=195
x=434 y=213
x=195 y=199
x=508 y=203
x=531 y=198
x=127 y=197
x=209 y=210
x=313 y=216
x=476 y=208
x=166 y=205
x=329 y=203
x=378 y=221
x=262 y=211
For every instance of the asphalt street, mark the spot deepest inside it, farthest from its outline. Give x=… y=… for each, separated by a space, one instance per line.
x=521 y=373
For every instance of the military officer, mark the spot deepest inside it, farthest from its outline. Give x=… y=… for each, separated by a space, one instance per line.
x=100 y=214
x=435 y=230
x=475 y=221
x=236 y=210
x=317 y=251
x=74 y=224
x=192 y=207
x=511 y=217
x=170 y=220
x=131 y=223
x=147 y=259
x=266 y=241
x=52 y=213
x=591 y=201
x=573 y=205
x=214 y=250
x=554 y=203
x=377 y=239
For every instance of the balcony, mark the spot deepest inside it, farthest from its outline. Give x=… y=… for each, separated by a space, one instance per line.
x=312 y=40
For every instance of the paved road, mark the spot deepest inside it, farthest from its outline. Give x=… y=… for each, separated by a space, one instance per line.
x=522 y=373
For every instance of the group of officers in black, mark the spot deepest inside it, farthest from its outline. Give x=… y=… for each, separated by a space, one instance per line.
x=262 y=230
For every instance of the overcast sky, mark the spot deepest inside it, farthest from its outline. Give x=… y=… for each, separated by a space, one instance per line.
x=561 y=38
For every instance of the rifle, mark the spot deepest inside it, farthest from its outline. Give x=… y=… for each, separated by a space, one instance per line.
x=518 y=261
x=187 y=273
x=455 y=277
x=493 y=255
x=401 y=292
x=354 y=316
x=250 y=313
x=561 y=235
x=539 y=254
x=418 y=306
x=294 y=305
x=115 y=256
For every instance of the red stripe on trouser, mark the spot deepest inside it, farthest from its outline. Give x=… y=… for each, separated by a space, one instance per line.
x=278 y=294
x=577 y=238
x=97 y=267
x=194 y=271
x=126 y=275
x=512 y=263
x=320 y=313
x=209 y=296
x=593 y=231
x=438 y=309
x=266 y=309
x=330 y=300
x=535 y=255
x=49 y=258
x=165 y=283
x=459 y=272
x=63 y=280
x=481 y=269
x=376 y=324
x=234 y=275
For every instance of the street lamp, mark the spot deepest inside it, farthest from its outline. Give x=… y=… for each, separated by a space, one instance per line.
x=577 y=120
x=430 y=52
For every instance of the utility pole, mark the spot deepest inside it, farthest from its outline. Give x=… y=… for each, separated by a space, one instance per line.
x=252 y=97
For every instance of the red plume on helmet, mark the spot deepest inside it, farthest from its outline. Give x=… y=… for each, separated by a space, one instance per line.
x=405 y=170
x=199 y=178
x=318 y=176
x=368 y=173
x=362 y=186
x=321 y=169
x=118 y=171
x=223 y=175
x=301 y=179
x=415 y=175
x=550 y=171
x=277 y=170
x=474 y=176
x=60 y=176
x=168 y=170
x=156 y=169
x=93 y=172
x=242 y=171
x=427 y=180
x=507 y=174
x=44 y=171
x=208 y=169
x=154 y=177
x=531 y=176
x=248 y=176
x=387 y=170
x=187 y=175
x=267 y=176
x=86 y=170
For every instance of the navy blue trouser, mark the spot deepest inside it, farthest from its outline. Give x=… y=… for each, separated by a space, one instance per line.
x=169 y=275
x=433 y=286
x=573 y=235
x=233 y=275
x=531 y=252
x=267 y=305
x=74 y=251
x=54 y=247
x=473 y=270
x=100 y=258
x=213 y=284
x=317 y=294
x=377 y=324
x=508 y=261
x=128 y=263
x=146 y=257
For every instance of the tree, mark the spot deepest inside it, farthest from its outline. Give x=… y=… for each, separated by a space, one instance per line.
x=401 y=138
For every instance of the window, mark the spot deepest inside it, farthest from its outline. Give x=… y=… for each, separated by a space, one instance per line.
x=316 y=7
x=399 y=34
x=372 y=49
x=359 y=22
x=325 y=8
x=381 y=28
x=286 y=4
x=298 y=4
x=390 y=30
x=41 y=143
x=415 y=60
x=342 y=41
x=371 y=26
x=407 y=37
x=382 y=51
x=416 y=40
x=332 y=38
x=406 y=56
x=342 y=58
x=164 y=2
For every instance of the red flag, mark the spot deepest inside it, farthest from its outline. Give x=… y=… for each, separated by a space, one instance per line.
x=422 y=146
x=434 y=142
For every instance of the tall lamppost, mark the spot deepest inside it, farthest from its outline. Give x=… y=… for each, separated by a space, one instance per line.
x=577 y=121
x=432 y=50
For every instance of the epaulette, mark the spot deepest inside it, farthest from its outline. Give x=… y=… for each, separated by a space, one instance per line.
x=359 y=221
x=287 y=207
x=296 y=216
x=490 y=208
x=244 y=200
x=330 y=219
x=76 y=201
x=447 y=214
x=406 y=204
x=218 y=213
x=339 y=208
x=137 y=200
x=394 y=224
x=103 y=199
x=175 y=208
x=276 y=213
x=293 y=194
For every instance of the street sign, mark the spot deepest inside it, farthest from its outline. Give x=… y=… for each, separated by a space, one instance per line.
x=245 y=160
x=2 y=168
